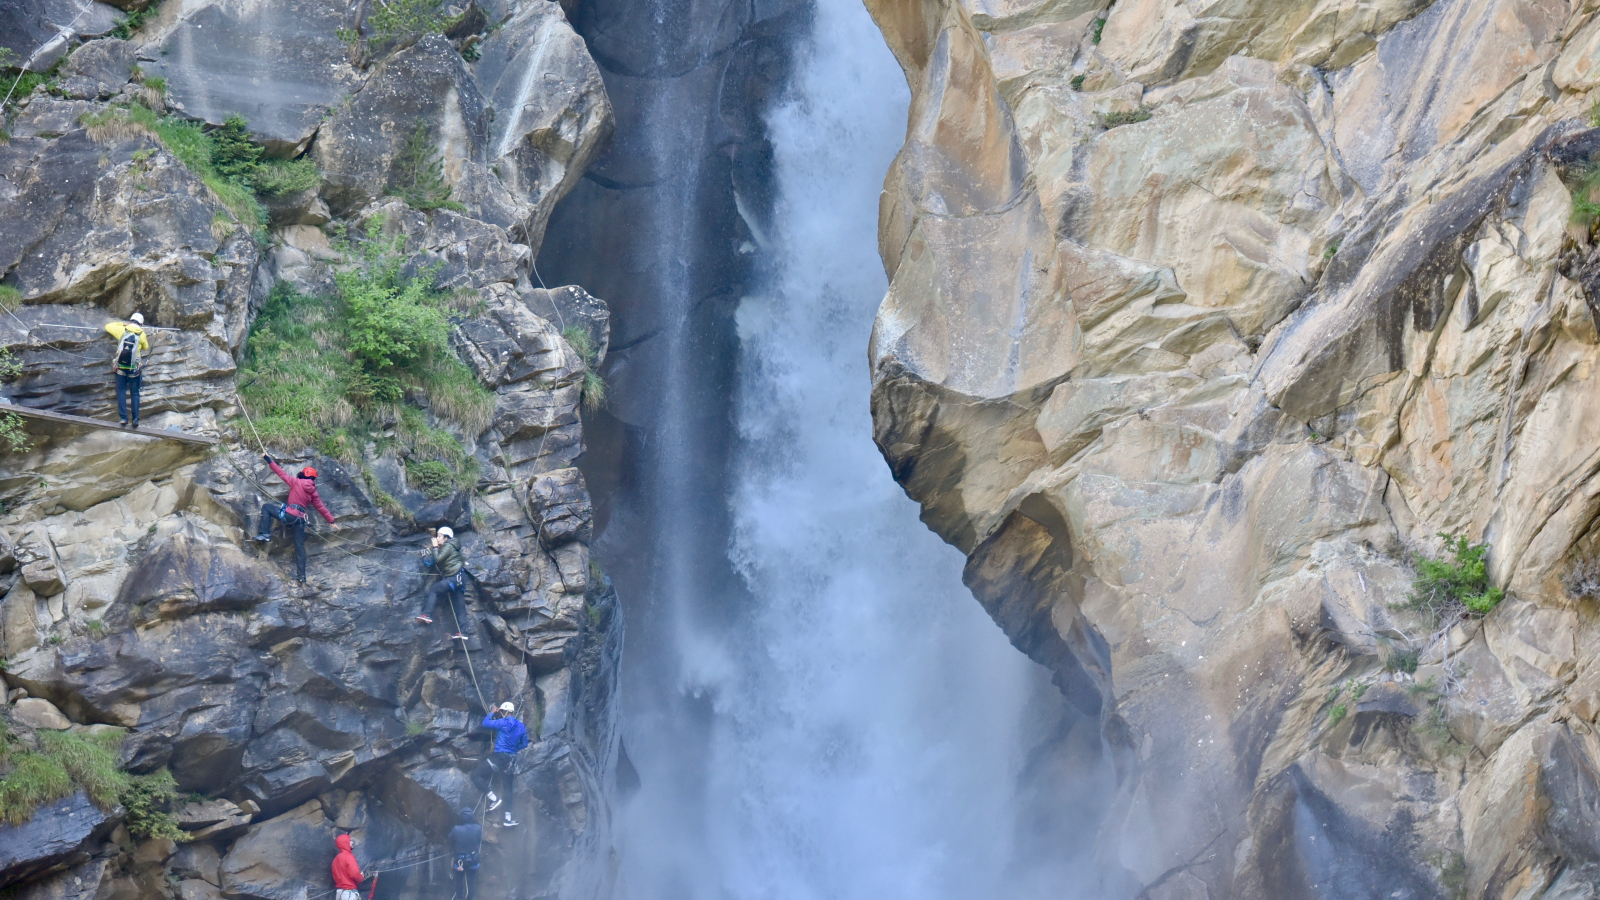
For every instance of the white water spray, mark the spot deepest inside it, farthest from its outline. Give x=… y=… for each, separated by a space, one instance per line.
x=866 y=731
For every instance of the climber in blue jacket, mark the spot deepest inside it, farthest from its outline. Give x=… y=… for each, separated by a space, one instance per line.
x=510 y=737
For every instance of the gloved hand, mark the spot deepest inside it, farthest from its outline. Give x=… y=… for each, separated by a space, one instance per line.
x=428 y=560
x=267 y=457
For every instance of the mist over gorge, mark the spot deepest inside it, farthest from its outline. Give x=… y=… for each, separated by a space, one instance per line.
x=939 y=450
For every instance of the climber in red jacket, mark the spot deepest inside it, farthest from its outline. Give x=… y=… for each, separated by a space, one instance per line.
x=346 y=871
x=293 y=513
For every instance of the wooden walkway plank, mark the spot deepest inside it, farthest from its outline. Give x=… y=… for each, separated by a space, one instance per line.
x=53 y=416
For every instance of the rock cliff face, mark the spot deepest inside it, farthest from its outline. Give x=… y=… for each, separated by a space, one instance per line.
x=1204 y=317
x=292 y=712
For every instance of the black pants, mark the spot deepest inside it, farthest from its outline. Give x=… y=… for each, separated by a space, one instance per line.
x=492 y=766
x=128 y=385
x=275 y=512
x=455 y=588
x=465 y=881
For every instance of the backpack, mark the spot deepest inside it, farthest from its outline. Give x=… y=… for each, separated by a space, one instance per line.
x=128 y=361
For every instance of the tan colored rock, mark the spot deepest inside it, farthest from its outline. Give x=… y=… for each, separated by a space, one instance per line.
x=35 y=712
x=1325 y=302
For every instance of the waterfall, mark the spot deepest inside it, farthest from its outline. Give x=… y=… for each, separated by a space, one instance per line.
x=865 y=719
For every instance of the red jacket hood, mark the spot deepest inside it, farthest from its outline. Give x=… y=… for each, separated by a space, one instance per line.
x=342 y=842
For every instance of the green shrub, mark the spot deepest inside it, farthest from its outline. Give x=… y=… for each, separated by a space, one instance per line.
x=431 y=477
x=233 y=156
x=1099 y=30
x=1455 y=585
x=404 y=18
x=419 y=173
x=1336 y=714
x=594 y=391
x=1401 y=660
x=1114 y=119
x=594 y=388
x=279 y=177
x=1586 y=197
x=148 y=800
x=132 y=22
x=391 y=323
x=335 y=374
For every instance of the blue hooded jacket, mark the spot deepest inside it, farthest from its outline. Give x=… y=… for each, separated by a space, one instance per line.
x=510 y=734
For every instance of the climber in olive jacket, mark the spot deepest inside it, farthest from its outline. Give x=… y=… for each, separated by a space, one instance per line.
x=445 y=556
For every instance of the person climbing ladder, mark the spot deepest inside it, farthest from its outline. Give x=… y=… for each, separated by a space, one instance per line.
x=510 y=736
x=445 y=556
x=128 y=365
x=293 y=512
x=465 y=840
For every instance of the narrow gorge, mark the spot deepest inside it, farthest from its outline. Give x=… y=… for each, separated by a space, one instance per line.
x=924 y=449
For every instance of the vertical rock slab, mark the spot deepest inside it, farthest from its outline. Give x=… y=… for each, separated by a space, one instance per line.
x=551 y=113
x=278 y=63
x=427 y=85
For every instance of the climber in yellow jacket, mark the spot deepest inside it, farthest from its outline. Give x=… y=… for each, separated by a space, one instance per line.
x=128 y=365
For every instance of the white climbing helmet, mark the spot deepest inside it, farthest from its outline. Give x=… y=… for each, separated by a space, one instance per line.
x=137 y=318
x=446 y=532
x=508 y=707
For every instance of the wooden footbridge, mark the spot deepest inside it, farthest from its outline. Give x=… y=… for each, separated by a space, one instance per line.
x=52 y=416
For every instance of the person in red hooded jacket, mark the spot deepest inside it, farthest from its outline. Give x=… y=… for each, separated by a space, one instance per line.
x=293 y=512
x=346 y=871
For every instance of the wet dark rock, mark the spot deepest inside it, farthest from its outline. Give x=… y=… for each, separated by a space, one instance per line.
x=560 y=503
x=60 y=833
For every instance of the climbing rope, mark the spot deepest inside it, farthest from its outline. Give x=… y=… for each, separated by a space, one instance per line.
x=464 y=652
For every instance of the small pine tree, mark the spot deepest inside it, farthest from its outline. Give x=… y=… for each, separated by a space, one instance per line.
x=232 y=154
x=419 y=173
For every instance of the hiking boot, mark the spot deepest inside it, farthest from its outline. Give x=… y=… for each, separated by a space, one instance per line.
x=135 y=425
x=510 y=822
x=122 y=423
x=494 y=801
x=263 y=538
x=424 y=620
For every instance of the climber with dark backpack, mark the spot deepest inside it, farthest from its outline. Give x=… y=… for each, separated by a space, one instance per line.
x=128 y=365
x=465 y=840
